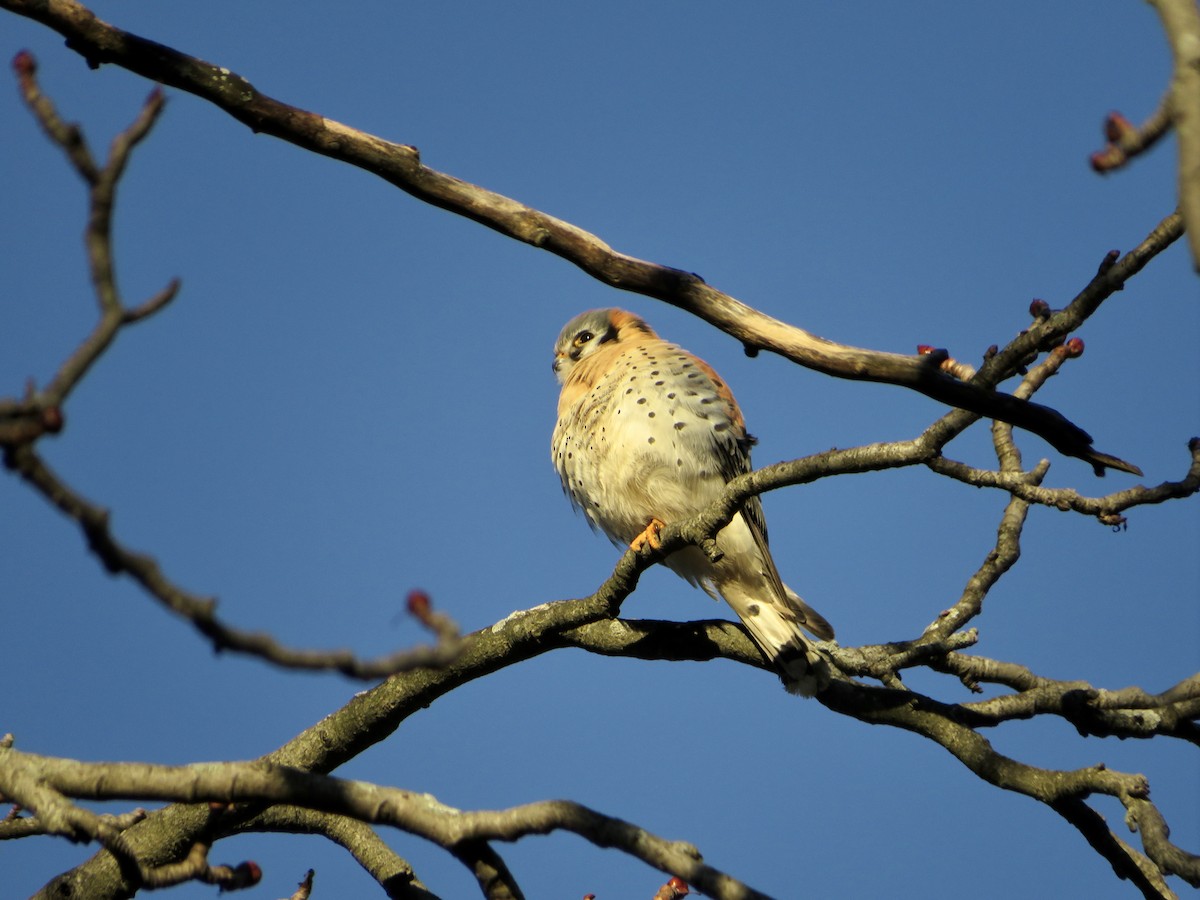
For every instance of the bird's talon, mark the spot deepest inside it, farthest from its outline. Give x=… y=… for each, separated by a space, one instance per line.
x=651 y=537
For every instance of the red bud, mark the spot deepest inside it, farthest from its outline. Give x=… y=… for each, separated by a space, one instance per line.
x=418 y=604
x=24 y=63
x=1116 y=127
x=247 y=874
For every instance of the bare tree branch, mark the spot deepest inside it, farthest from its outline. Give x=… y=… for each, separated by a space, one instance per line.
x=393 y=873
x=21 y=423
x=43 y=780
x=1107 y=509
x=1124 y=713
x=1181 y=22
x=400 y=165
x=304 y=889
x=1127 y=863
x=1125 y=140
x=289 y=790
x=41 y=411
x=495 y=879
x=201 y=612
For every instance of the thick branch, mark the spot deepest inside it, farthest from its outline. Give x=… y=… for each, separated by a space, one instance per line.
x=400 y=165
x=371 y=716
x=418 y=814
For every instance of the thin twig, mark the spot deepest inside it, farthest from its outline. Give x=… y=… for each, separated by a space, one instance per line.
x=41 y=411
x=201 y=612
x=1126 y=141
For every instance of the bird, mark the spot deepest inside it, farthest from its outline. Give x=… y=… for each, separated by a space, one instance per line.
x=648 y=434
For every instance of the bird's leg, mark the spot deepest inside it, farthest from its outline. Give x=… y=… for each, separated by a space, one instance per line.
x=651 y=537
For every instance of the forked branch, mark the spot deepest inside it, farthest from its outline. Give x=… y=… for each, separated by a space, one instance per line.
x=32 y=778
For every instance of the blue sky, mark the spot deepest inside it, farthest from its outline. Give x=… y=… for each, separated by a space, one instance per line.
x=352 y=397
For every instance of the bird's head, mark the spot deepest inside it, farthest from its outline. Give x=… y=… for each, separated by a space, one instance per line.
x=589 y=332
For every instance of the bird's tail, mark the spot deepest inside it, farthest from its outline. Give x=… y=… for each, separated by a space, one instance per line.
x=811 y=620
x=776 y=627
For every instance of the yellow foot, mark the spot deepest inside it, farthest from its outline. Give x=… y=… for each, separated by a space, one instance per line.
x=651 y=537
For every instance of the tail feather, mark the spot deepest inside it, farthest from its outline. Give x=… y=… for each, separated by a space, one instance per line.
x=772 y=612
x=776 y=630
x=813 y=622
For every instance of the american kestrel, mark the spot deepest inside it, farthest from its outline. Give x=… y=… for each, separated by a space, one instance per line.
x=649 y=434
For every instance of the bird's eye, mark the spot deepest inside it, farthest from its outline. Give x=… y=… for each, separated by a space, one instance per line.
x=583 y=337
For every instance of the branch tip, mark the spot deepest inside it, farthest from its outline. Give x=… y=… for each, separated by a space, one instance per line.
x=419 y=606
x=304 y=888
x=1110 y=260
x=673 y=890
x=24 y=64
x=1117 y=128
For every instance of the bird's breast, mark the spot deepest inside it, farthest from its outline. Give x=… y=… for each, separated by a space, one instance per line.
x=642 y=440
